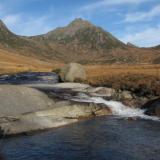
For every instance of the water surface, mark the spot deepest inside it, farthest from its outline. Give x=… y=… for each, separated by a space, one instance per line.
x=105 y=138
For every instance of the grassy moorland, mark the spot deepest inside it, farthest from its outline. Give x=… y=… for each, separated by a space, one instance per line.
x=143 y=79
x=11 y=62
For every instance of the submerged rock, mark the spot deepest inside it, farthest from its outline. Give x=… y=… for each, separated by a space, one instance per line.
x=73 y=72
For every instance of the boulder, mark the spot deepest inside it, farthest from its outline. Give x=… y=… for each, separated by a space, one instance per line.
x=59 y=116
x=16 y=100
x=73 y=72
x=126 y=95
x=24 y=109
x=152 y=107
x=102 y=91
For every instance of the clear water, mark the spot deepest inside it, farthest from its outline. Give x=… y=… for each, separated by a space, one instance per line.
x=105 y=138
x=30 y=78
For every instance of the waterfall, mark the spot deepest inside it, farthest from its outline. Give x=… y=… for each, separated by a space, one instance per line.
x=116 y=107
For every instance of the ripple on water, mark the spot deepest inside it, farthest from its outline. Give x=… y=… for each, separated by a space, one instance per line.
x=97 y=139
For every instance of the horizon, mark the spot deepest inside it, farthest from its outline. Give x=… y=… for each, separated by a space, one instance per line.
x=133 y=21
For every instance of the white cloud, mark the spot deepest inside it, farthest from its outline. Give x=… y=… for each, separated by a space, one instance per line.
x=147 y=38
x=104 y=3
x=31 y=25
x=11 y=19
x=143 y=16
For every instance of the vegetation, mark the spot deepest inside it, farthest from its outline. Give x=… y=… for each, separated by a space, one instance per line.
x=141 y=79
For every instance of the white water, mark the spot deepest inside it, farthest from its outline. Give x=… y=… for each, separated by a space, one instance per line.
x=116 y=107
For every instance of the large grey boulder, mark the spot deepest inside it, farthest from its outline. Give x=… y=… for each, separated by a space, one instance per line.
x=73 y=72
x=64 y=113
x=15 y=100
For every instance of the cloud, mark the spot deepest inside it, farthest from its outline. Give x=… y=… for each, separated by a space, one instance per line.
x=11 y=19
x=146 y=38
x=104 y=3
x=143 y=16
x=33 y=25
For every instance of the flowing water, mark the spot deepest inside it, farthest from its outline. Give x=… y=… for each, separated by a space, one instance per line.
x=105 y=138
x=30 y=78
x=117 y=108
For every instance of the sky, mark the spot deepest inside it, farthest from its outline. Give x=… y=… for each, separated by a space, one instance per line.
x=135 y=21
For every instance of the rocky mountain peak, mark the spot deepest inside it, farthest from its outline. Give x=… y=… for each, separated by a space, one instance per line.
x=79 y=22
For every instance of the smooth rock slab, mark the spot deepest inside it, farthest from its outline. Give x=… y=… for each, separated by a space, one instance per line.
x=16 y=100
x=24 y=109
x=58 y=116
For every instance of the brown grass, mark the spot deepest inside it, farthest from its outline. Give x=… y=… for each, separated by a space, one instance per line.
x=13 y=63
x=143 y=79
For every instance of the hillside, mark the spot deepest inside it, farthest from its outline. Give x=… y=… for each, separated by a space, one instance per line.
x=80 y=41
x=11 y=62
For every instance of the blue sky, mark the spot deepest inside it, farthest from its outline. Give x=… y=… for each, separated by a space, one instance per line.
x=135 y=21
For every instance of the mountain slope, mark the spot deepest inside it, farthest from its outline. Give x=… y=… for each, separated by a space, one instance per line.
x=23 y=45
x=83 y=33
x=11 y=62
x=80 y=41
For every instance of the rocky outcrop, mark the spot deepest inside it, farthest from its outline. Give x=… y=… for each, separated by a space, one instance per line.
x=61 y=115
x=25 y=109
x=102 y=91
x=73 y=72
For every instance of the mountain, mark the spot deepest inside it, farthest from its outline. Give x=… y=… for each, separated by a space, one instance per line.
x=157 y=47
x=80 y=41
x=131 y=45
x=23 y=45
x=83 y=33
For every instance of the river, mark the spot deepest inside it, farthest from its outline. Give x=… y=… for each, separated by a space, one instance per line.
x=105 y=138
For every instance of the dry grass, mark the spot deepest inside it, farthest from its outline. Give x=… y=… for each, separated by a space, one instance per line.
x=144 y=79
x=13 y=63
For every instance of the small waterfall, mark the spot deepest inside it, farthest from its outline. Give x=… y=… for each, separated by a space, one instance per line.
x=116 y=107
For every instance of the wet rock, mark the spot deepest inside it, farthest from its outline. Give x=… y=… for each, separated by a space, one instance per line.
x=73 y=72
x=126 y=95
x=135 y=102
x=103 y=91
x=152 y=107
x=55 y=117
x=131 y=118
x=25 y=109
x=80 y=87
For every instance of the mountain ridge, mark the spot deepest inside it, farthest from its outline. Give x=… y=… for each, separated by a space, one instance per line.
x=79 y=41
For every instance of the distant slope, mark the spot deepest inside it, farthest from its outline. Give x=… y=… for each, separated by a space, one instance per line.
x=80 y=41
x=12 y=62
x=157 y=47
